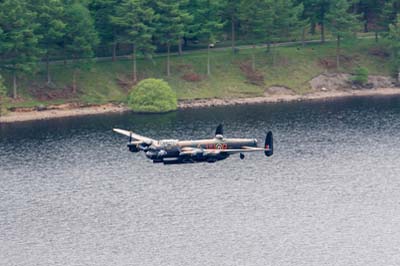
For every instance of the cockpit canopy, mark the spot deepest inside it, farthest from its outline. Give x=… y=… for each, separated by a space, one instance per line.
x=219 y=136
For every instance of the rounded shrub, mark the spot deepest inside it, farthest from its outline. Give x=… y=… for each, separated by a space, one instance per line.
x=361 y=76
x=152 y=96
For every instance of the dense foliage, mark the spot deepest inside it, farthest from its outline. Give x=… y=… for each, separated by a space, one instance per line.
x=361 y=76
x=394 y=37
x=3 y=96
x=35 y=30
x=152 y=96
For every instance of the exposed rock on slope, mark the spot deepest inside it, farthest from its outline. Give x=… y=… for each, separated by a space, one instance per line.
x=341 y=81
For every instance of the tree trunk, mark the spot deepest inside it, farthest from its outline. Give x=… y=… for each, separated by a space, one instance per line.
x=168 y=62
x=322 y=32
x=114 y=51
x=313 y=28
x=180 y=46
x=74 y=81
x=208 y=61
x=273 y=54
x=376 y=36
x=15 y=85
x=338 y=52
x=303 y=37
x=253 y=58
x=134 y=74
x=48 y=69
x=65 y=56
x=233 y=33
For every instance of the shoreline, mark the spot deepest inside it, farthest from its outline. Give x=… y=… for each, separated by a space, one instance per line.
x=73 y=110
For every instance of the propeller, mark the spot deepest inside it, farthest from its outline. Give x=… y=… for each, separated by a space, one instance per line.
x=130 y=137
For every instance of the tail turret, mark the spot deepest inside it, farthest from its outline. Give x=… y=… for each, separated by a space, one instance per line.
x=269 y=144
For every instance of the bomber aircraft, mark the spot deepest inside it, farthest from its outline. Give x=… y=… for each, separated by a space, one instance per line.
x=171 y=151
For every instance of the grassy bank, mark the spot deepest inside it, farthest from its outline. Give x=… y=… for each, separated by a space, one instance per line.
x=291 y=66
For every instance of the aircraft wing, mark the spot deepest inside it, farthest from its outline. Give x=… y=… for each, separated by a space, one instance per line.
x=134 y=135
x=195 y=151
x=233 y=151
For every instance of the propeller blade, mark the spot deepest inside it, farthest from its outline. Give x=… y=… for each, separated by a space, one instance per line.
x=130 y=137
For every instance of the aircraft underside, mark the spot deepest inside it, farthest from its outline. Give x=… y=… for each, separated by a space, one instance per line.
x=186 y=160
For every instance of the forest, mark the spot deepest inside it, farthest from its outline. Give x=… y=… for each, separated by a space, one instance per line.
x=36 y=32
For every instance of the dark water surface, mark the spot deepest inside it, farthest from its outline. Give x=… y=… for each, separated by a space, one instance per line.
x=71 y=194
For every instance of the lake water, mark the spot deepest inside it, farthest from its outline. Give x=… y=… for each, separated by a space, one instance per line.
x=71 y=193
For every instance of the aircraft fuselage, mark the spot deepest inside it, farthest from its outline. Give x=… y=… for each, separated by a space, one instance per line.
x=172 y=149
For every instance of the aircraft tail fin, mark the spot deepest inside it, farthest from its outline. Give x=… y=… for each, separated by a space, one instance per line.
x=219 y=130
x=269 y=144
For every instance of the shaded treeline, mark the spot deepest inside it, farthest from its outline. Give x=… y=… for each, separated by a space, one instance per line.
x=41 y=30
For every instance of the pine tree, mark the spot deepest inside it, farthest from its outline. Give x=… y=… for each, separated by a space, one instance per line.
x=18 y=42
x=341 y=23
x=3 y=95
x=394 y=40
x=257 y=21
x=102 y=12
x=232 y=10
x=135 y=21
x=170 y=25
x=286 y=21
x=50 y=15
x=190 y=26
x=287 y=18
x=370 y=11
x=321 y=8
x=80 y=39
x=208 y=17
x=309 y=14
x=389 y=14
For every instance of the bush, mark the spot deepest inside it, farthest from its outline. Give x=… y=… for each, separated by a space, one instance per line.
x=152 y=96
x=361 y=76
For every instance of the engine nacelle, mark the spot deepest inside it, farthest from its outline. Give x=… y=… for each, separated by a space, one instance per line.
x=133 y=147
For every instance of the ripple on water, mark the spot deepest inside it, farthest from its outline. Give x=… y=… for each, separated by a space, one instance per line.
x=70 y=193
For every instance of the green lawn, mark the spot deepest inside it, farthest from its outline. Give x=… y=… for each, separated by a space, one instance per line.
x=291 y=66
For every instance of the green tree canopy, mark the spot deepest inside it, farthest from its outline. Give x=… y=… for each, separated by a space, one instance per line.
x=287 y=18
x=102 y=12
x=257 y=19
x=81 y=37
x=3 y=95
x=208 y=17
x=233 y=12
x=18 y=41
x=394 y=40
x=135 y=20
x=51 y=27
x=170 y=25
x=341 y=23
